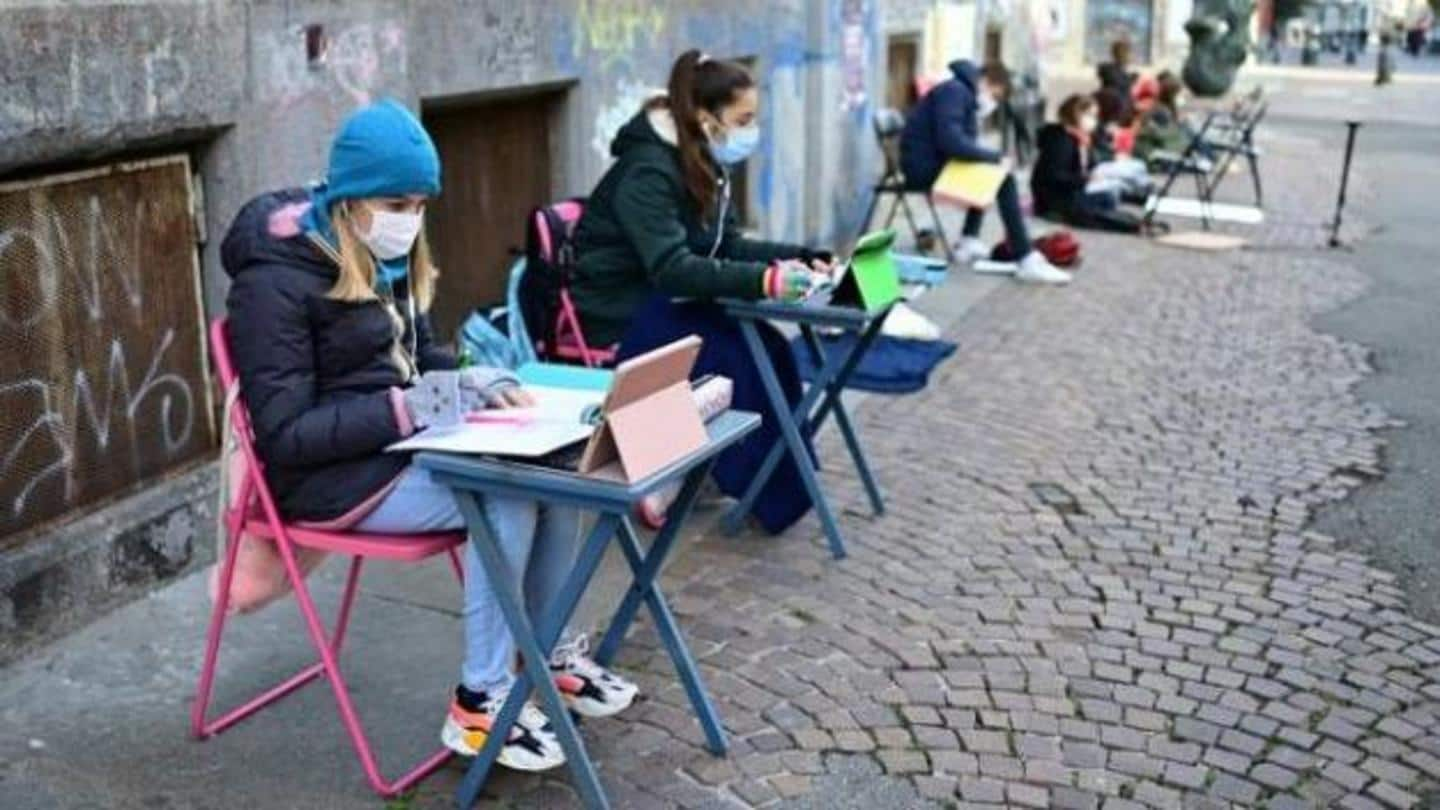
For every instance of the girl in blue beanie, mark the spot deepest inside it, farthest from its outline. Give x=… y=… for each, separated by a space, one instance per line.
x=329 y=333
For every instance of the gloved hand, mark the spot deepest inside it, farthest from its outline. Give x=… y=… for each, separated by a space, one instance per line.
x=442 y=398
x=490 y=387
x=787 y=281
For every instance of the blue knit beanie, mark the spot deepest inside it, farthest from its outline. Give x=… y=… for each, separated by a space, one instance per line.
x=382 y=151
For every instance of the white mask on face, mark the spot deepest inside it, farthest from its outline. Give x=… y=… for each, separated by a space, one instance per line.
x=391 y=233
x=1088 y=123
x=986 y=103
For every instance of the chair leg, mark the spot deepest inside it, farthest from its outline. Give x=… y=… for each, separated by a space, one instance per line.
x=940 y=230
x=1255 y=177
x=870 y=211
x=342 y=622
x=341 y=691
x=327 y=665
x=455 y=564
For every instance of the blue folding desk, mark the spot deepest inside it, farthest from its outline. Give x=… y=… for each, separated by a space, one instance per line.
x=472 y=477
x=806 y=419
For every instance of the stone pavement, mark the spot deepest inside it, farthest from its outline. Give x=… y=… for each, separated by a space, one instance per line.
x=1094 y=588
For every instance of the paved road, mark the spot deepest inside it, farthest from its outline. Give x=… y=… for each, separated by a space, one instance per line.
x=1398 y=518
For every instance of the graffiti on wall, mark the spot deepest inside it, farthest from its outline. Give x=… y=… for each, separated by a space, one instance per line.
x=620 y=106
x=614 y=29
x=102 y=386
x=854 y=59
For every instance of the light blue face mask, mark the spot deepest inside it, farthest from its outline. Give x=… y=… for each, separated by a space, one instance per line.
x=739 y=143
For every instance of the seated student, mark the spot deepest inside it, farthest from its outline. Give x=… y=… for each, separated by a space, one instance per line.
x=328 y=329
x=944 y=126
x=658 y=243
x=1163 y=129
x=1061 y=180
x=1110 y=145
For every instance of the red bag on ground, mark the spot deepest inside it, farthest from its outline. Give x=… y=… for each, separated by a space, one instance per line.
x=1060 y=248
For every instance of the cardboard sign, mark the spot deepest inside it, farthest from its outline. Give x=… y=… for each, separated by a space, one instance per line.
x=872 y=282
x=969 y=184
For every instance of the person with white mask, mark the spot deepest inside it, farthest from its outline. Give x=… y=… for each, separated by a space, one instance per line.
x=659 y=242
x=328 y=330
x=1063 y=181
x=944 y=126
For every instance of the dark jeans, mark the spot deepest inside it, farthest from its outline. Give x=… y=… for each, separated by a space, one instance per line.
x=1008 y=201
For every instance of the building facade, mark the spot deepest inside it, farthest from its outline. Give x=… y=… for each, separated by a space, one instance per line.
x=131 y=133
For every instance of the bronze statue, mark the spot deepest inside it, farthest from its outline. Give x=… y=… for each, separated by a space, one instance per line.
x=1219 y=34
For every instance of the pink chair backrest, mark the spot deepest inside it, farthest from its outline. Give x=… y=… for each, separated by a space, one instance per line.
x=244 y=471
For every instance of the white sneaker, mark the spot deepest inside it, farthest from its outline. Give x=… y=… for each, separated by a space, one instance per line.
x=590 y=689
x=1036 y=269
x=532 y=744
x=970 y=250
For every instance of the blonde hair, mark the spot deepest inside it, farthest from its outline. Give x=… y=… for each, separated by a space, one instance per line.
x=357 y=268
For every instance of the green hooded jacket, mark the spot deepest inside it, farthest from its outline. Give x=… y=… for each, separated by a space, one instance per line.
x=641 y=233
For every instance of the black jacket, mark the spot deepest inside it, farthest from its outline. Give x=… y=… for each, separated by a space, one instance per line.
x=641 y=233
x=315 y=373
x=943 y=127
x=1059 y=175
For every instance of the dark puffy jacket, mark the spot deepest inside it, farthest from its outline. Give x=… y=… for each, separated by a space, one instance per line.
x=1058 y=177
x=642 y=233
x=943 y=127
x=316 y=373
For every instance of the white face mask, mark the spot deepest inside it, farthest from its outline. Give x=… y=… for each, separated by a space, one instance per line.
x=986 y=103
x=1088 y=123
x=392 y=234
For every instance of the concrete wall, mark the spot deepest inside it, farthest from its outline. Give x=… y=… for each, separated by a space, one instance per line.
x=229 y=83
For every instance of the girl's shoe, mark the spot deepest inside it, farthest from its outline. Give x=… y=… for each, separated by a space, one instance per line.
x=531 y=746
x=590 y=689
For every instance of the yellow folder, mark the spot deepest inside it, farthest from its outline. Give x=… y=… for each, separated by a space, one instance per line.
x=969 y=183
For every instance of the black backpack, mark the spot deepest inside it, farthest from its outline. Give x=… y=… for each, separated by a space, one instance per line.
x=549 y=263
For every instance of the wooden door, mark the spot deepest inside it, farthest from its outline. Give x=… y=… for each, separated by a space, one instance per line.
x=902 y=59
x=496 y=161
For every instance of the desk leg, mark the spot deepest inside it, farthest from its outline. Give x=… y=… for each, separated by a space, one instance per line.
x=842 y=417
x=534 y=645
x=646 y=569
x=792 y=439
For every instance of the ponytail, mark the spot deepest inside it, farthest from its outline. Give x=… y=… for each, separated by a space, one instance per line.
x=700 y=83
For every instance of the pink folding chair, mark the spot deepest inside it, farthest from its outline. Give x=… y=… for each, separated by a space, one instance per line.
x=254 y=515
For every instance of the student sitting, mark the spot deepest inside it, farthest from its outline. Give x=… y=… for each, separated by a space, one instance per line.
x=1110 y=145
x=328 y=329
x=944 y=126
x=1061 y=180
x=658 y=243
x=1163 y=130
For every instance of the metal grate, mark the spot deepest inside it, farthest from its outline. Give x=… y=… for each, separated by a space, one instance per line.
x=102 y=367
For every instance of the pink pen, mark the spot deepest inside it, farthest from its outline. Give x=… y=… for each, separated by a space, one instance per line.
x=499 y=417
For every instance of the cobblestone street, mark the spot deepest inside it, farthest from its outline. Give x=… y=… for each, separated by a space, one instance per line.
x=1094 y=587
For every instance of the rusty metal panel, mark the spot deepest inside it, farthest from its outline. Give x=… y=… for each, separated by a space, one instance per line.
x=103 y=376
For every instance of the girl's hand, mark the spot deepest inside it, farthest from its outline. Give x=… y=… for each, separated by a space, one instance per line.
x=513 y=397
x=788 y=281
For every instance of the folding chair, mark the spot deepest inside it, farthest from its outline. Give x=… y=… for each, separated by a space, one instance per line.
x=254 y=515
x=1190 y=162
x=888 y=125
x=1240 y=142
